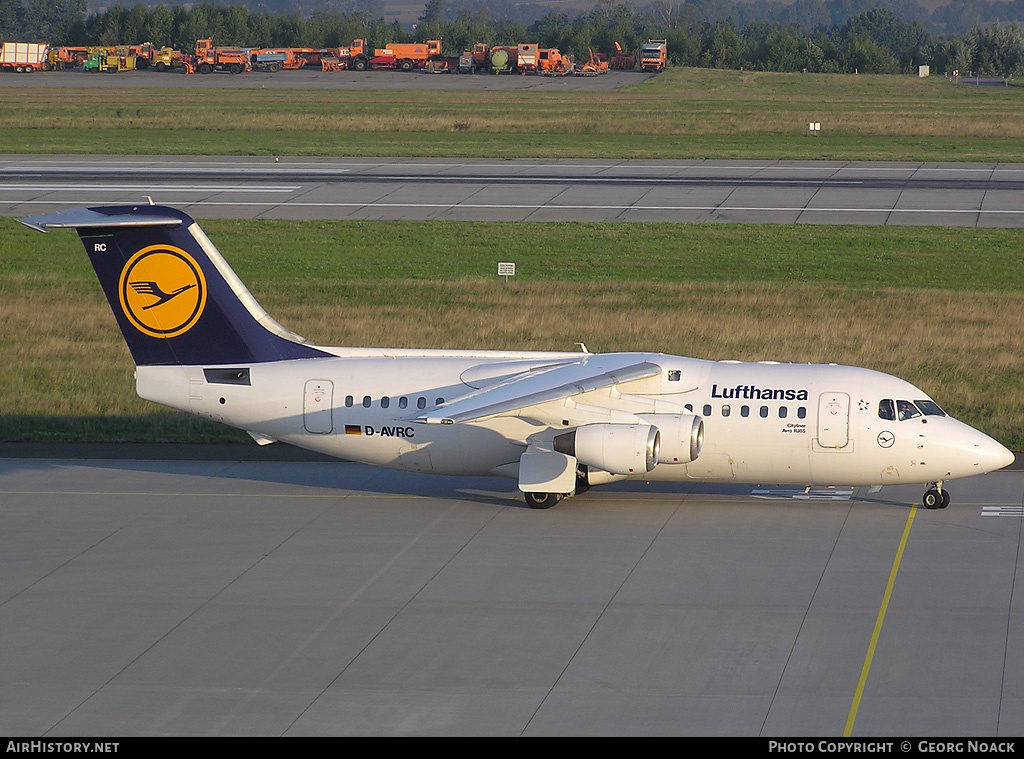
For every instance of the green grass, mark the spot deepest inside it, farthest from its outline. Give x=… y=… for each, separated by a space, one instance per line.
x=683 y=113
x=292 y=253
x=939 y=307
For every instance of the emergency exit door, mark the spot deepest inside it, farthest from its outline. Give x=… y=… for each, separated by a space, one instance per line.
x=317 y=416
x=833 y=420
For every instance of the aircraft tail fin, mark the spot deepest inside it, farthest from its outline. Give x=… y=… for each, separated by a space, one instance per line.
x=174 y=296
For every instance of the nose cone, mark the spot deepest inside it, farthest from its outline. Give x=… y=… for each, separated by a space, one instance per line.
x=992 y=454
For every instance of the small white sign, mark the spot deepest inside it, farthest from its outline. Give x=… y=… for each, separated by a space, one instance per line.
x=815 y=126
x=506 y=269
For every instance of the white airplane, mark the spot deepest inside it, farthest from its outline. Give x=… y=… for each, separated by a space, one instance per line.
x=557 y=422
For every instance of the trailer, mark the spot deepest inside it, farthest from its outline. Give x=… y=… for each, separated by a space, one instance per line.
x=551 y=62
x=620 y=61
x=598 y=64
x=504 y=59
x=24 y=57
x=66 y=57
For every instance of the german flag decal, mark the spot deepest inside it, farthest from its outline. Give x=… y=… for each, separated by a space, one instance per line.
x=353 y=429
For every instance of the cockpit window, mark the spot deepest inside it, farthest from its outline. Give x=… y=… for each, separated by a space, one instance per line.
x=906 y=410
x=886 y=410
x=930 y=408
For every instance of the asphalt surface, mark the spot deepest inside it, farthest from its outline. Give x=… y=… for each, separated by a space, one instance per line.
x=328 y=598
x=786 y=192
x=316 y=79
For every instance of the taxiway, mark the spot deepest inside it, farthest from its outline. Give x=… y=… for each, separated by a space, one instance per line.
x=235 y=597
x=783 y=192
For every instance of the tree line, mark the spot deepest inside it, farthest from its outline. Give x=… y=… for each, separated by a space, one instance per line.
x=875 y=40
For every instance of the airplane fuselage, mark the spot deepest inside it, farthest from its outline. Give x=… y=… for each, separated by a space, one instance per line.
x=763 y=422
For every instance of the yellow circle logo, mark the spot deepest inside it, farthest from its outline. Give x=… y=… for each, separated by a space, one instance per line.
x=162 y=291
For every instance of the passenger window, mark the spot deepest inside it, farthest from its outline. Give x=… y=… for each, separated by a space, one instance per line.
x=783 y=412
x=348 y=401
x=764 y=412
x=403 y=402
x=801 y=413
x=385 y=402
x=673 y=375
x=439 y=401
x=366 y=401
x=929 y=408
x=707 y=410
x=421 y=402
x=744 y=411
x=726 y=411
x=906 y=410
x=886 y=410
x=689 y=407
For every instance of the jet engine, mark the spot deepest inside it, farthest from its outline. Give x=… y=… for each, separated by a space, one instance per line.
x=615 y=448
x=682 y=436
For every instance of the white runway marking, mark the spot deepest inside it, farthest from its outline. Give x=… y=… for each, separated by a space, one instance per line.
x=1002 y=511
x=533 y=206
x=156 y=187
x=804 y=494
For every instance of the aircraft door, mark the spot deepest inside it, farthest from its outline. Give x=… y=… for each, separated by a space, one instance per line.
x=317 y=403
x=833 y=420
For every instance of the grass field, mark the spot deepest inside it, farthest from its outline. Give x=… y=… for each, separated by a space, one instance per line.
x=683 y=113
x=939 y=307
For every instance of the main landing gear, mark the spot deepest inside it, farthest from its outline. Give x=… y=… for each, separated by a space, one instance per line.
x=935 y=497
x=543 y=500
x=547 y=500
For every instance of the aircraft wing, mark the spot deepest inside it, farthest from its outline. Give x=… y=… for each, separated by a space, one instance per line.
x=540 y=386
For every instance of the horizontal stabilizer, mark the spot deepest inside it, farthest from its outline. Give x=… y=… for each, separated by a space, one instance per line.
x=95 y=218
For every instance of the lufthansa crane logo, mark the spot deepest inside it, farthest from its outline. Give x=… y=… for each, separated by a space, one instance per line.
x=162 y=291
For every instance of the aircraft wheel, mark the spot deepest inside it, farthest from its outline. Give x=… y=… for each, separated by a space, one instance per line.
x=933 y=499
x=542 y=500
x=945 y=499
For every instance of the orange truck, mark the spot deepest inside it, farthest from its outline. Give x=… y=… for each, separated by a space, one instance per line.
x=209 y=58
x=351 y=58
x=528 y=58
x=405 y=56
x=654 y=55
x=278 y=58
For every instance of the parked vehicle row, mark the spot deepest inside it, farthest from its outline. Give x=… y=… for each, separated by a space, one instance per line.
x=206 y=58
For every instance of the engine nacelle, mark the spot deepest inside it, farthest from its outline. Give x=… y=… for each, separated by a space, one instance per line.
x=682 y=436
x=615 y=448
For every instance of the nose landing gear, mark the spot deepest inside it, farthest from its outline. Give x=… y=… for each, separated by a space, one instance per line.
x=935 y=497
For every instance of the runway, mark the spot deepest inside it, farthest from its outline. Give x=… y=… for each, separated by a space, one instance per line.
x=782 y=192
x=236 y=597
